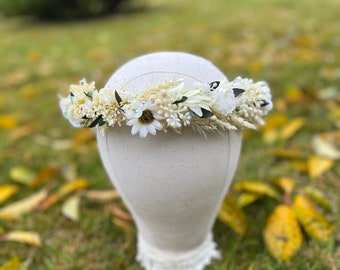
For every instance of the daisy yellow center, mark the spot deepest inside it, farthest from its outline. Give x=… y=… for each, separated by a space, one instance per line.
x=147 y=117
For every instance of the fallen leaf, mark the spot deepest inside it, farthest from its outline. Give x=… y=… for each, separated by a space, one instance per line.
x=271 y=129
x=6 y=191
x=282 y=233
x=318 y=196
x=125 y=225
x=232 y=214
x=314 y=223
x=13 y=264
x=318 y=165
x=21 y=132
x=247 y=198
x=63 y=191
x=30 y=238
x=101 y=195
x=120 y=213
x=16 y=209
x=292 y=127
x=295 y=95
x=302 y=166
x=70 y=208
x=45 y=174
x=8 y=121
x=79 y=183
x=257 y=187
x=288 y=153
x=22 y=175
x=286 y=184
x=325 y=148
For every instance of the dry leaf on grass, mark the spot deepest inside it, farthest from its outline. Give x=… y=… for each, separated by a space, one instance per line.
x=30 y=238
x=232 y=214
x=318 y=165
x=70 y=208
x=257 y=187
x=314 y=223
x=18 y=208
x=64 y=190
x=282 y=233
x=22 y=174
x=6 y=191
x=13 y=264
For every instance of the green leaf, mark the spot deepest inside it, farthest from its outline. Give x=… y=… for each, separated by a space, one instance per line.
x=99 y=120
x=206 y=113
x=118 y=98
x=184 y=98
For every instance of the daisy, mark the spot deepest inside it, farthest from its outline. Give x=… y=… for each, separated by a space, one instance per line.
x=143 y=118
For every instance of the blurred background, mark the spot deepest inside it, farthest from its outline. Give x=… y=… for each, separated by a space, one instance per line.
x=47 y=45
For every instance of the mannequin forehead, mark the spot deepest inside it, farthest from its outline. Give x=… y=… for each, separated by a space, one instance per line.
x=155 y=68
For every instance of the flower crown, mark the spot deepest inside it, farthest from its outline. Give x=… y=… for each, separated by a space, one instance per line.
x=212 y=106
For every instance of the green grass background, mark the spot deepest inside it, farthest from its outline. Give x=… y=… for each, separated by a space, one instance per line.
x=287 y=43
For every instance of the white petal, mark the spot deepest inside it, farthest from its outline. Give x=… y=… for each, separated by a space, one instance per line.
x=151 y=129
x=197 y=111
x=135 y=129
x=143 y=131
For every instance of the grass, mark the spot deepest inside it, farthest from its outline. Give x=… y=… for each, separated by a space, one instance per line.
x=287 y=43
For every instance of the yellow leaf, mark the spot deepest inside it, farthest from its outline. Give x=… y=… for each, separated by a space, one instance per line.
x=273 y=122
x=286 y=184
x=30 y=238
x=8 y=121
x=295 y=95
x=318 y=197
x=232 y=214
x=70 y=208
x=314 y=223
x=318 y=165
x=72 y=186
x=290 y=129
x=12 y=264
x=257 y=187
x=6 y=191
x=22 y=175
x=288 y=153
x=282 y=233
x=23 y=206
x=63 y=191
x=247 y=198
x=325 y=146
x=302 y=166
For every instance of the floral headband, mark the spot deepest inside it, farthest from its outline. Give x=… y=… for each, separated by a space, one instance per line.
x=212 y=106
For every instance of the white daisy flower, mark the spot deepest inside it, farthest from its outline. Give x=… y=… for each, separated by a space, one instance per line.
x=143 y=118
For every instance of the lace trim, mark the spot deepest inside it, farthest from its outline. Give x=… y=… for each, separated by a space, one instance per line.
x=155 y=259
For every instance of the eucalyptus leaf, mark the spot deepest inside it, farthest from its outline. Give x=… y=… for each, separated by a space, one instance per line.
x=184 y=98
x=214 y=85
x=238 y=91
x=118 y=98
x=99 y=120
x=206 y=113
